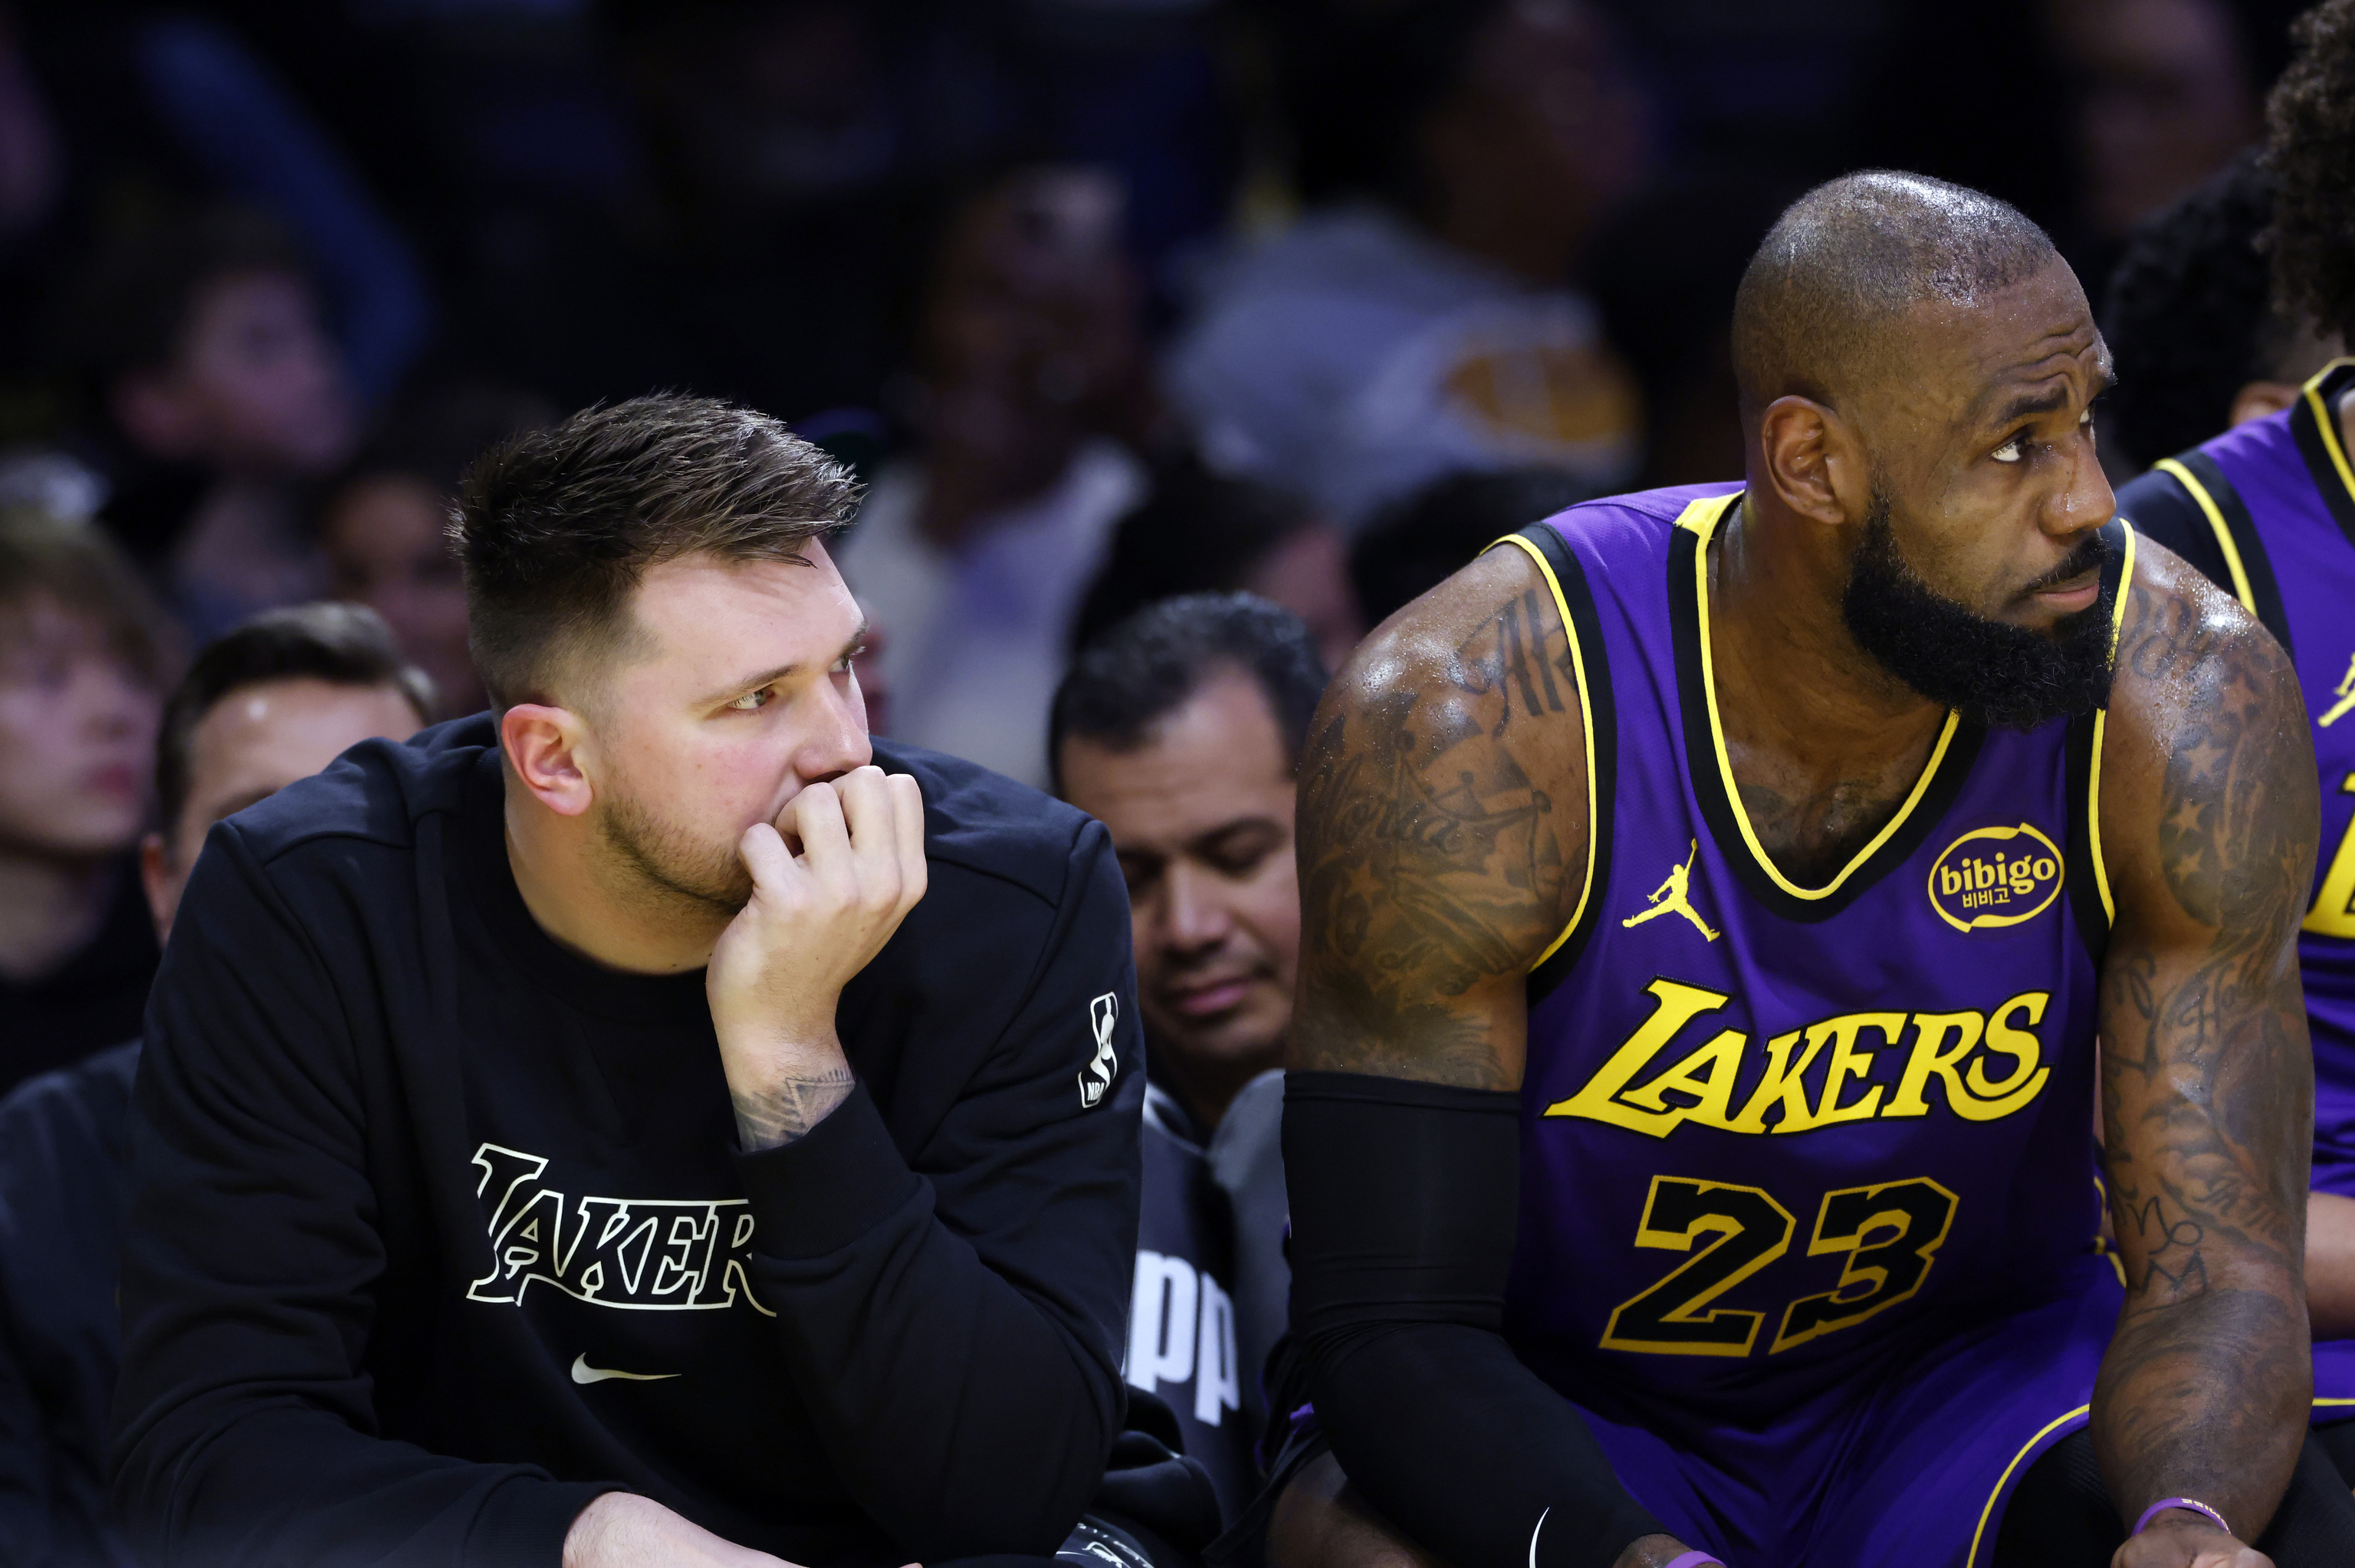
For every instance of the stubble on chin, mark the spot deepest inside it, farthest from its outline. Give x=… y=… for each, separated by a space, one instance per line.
x=662 y=869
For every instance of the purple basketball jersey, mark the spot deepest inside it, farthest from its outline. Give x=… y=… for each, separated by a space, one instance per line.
x=1794 y=1155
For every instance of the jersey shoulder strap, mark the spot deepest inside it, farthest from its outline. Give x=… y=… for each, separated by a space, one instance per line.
x=2186 y=504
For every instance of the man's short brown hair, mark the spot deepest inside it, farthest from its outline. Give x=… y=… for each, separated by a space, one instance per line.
x=556 y=527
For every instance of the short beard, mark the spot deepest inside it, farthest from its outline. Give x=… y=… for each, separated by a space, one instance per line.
x=1988 y=670
x=656 y=863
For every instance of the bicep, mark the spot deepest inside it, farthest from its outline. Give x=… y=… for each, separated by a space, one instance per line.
x=1442 y=836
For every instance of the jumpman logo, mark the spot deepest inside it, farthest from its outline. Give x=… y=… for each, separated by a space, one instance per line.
x=2346 y=695
x=1672 y=896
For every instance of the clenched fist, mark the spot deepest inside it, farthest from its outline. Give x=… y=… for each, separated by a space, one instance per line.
x=815 y=919
x=2180 y=1539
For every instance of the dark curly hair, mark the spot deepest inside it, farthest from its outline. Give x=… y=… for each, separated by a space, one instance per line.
x=2190 y=318
x=2310 y=151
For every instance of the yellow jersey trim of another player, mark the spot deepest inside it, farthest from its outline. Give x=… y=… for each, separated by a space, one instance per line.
x=2100 y=731
x=2218 y=526
x=1703 y=518
x=1586 y=725
x=2326 y=424
x=2004 y=1480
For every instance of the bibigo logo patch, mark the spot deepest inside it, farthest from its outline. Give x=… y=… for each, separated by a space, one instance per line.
x=1995 y=876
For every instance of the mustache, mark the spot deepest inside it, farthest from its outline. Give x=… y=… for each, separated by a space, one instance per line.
x=2092 y=554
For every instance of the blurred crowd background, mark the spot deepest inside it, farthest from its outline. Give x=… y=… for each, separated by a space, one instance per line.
x=1105 y=299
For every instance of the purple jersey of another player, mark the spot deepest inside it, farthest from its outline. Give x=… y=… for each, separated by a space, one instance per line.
x=1808 y=1222
x=2267 y=510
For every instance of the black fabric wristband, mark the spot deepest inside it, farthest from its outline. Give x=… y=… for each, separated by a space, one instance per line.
x=1404 y=1199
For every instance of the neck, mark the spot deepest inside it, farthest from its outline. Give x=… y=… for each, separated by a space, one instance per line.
x=586 y=907
x=1207 y=1088
x=51 y=906
x=964 y=484
x=1824 y=742
x=1500 y=230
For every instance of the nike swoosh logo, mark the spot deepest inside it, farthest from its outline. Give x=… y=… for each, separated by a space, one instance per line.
x=1533 y=1533
x=584 y=1372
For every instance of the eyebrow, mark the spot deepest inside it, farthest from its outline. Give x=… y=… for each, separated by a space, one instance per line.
x=770 y=677
x=2029 y=404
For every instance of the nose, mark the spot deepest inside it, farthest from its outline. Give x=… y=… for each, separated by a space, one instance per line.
x=2085 y=500
x=837 y=740
x=1196 y=918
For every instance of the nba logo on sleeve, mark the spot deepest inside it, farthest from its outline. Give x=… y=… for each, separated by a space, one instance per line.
x=1995 y=876
x=1104 y=1013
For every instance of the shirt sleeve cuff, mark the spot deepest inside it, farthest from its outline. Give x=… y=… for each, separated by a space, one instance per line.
x=525 y=1521
x=824 y=1191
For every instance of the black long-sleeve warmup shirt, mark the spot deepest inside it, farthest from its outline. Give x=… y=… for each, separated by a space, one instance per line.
x=437 y=1229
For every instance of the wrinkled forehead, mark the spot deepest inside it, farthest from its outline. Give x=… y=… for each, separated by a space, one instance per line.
x=1955 y=369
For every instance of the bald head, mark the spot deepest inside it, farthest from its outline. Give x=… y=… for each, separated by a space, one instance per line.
x=1819 y=308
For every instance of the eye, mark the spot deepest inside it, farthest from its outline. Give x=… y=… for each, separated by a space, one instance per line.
x=2011 y=450
x=842 y=666
x=752 y=702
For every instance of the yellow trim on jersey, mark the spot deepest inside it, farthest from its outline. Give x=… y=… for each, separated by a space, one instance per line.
x=2218 y=526
x=1586 y=723
x=2005 y=1479
x=2326 y=420
x=1703 y=518
x=2101 y=732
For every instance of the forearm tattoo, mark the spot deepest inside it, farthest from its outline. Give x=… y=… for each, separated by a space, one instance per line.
x=2207 y=1087
x=783 y=1110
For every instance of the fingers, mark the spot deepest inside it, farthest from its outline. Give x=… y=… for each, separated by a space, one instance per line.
x=765 y=856
x=818 y=822
x=908 y=815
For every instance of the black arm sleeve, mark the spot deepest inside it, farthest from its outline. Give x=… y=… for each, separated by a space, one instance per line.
x=1403 y=1213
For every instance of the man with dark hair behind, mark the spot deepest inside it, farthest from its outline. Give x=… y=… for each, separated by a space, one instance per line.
x=647 y=1123
x=1418 y=542
x=2191 y=322
x=1180 y=730
x=81 y=672
x=2267 y=510
x=1711 y=901
x=307 y=684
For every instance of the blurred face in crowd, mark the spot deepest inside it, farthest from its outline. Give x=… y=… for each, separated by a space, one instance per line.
x=1030 y=335
x=1309 y=574
x=251 y=744
x=1544 y=132
x=1201 y=818
x=735 y=691
x=383 y=536
x=2166 y=100
x=257 y=387
x=76 y=735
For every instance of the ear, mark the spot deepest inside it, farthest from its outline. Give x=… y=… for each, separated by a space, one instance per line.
x=1813 y=461
x=155 y=413
x=545 y=747
x=157 y=880
x=2258 y=399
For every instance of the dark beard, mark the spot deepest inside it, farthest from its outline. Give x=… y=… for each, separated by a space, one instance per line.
x=1989 y=670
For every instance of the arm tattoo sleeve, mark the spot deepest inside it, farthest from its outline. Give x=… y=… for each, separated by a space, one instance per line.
x=2207 y=1080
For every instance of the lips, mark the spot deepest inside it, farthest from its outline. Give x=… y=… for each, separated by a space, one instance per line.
x=119 y=780
x=2070 y=597
x=1207 y=999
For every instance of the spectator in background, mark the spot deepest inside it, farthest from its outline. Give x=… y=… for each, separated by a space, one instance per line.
x=385 y=525
x=1420 y=541
x=972 y=554
x=310 y=682
x=1180 y=730
x=1458 y=155
x=202 y=341
x=1201 y=532
x=80 y=675
x=2196 y=341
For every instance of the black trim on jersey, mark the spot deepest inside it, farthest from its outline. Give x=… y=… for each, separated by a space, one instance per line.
x=1709 y=781
x=2255 y=565
x=1603 y=718
x=2317 y=452
x=2084 y=888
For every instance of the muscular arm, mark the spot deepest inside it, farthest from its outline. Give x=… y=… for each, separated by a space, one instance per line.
x=2208 y=829
x=1443 y=824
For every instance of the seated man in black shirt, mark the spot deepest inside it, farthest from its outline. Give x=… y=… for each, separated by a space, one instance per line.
x=307 y=681
x=632 y=1126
